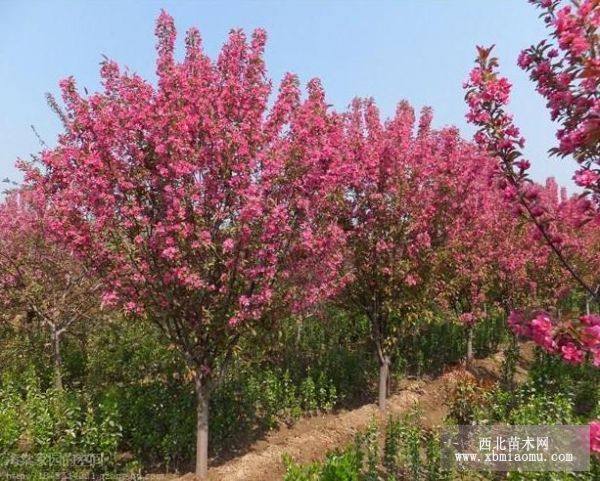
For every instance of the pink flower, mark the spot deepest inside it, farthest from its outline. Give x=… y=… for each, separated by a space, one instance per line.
x=571 y=353
x=516 y=321
x=591 y=319
x=169 y=253
x=467 y=318
x=591 y=336
x=109 y=298
x=228 y=245
x=586 y=177
x=542 y=332
x=523 y=165
x=595 y=436
x=524 y=59
x=537 y=211
x=131 y=307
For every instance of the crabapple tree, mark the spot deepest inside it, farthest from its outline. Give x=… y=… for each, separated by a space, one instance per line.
x=201 y=207
x=404 y=194
x=41 y=282
x=476 y=263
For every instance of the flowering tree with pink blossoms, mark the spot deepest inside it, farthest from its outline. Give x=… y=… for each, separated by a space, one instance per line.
x=405 y=194
x=484 y=257
x=41 y=282
x=203 y=209
x=568 y=76
x=489 y=259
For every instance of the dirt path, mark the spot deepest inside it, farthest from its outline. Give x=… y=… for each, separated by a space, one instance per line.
x=310 y=438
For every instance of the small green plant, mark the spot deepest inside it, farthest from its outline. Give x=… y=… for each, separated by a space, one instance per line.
x=308 y=395
x=411 y=438
x=297 y=472
x=343 y=466
x=391 y=447
x=465 y=399
x=433 y=470
x=368 y=443
x=337 y=466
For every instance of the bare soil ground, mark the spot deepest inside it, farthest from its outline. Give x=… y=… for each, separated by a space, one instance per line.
x=312 y=437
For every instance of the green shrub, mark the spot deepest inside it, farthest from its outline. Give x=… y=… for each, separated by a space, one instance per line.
x=337 y=466
x=297 y=472
x=47 y=428
x=391 y=446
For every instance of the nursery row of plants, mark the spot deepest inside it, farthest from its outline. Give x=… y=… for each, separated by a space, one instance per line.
x=127 y=395
x=404 y=448
x=200 y=257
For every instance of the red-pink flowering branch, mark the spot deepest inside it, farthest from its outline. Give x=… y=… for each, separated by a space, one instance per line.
x=566 y=71
x=568 y=77
x=487 y=95
x=573 y=340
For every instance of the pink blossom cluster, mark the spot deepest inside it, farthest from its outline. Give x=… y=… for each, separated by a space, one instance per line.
x=595 y=436
x=25 y=246
x=39 y=277
x=567 y=75
x=17 y=223
x=574 y=341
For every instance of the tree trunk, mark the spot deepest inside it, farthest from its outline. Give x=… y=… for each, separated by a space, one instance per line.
x=201 y=431
x=469 y=345
x=299 y=325
x=58 y=384
x=384 y=373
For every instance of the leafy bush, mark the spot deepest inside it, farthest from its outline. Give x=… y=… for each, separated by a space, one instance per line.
x=465 y=400
x=43 y=430
x=337 y=466
x=298 y=472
